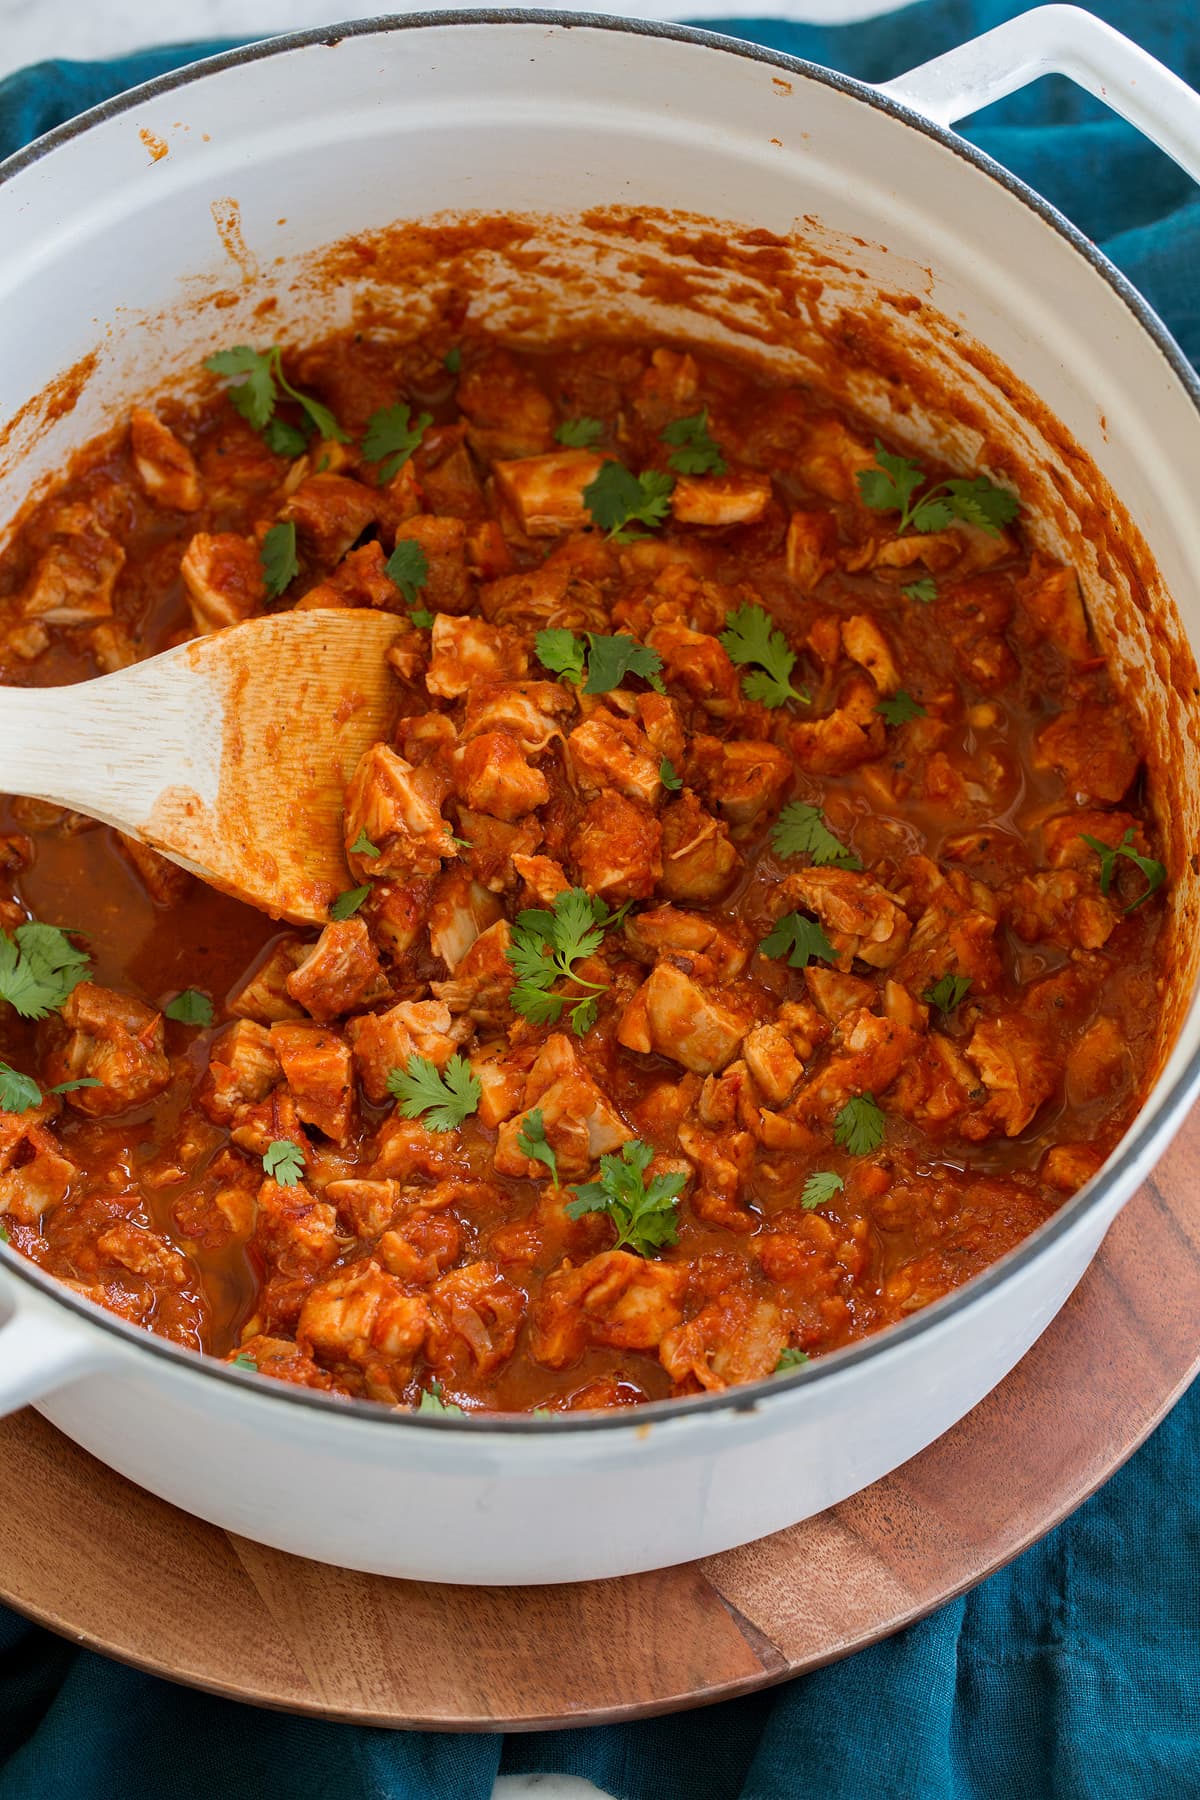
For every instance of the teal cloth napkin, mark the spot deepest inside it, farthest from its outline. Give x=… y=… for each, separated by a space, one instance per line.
x=1076 y=1672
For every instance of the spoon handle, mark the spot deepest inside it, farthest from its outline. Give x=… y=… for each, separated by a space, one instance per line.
x=109 y=747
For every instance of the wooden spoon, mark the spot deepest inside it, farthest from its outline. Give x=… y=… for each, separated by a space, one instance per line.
x=229 y=754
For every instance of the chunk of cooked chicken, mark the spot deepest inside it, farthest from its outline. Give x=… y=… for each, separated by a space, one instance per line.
x=224 y=579
x=716 y=500
x=330 y=513
x=164 y=881
x=672 y=1015
x=263 y=995
x=447 y=586
x=865 y=644
x=741 y=780
x=974 y=615
x=492 y=776
x=474 y=1318
x=360 y=579
x=1061 y=906
x=615 y=1299
x=851 y=734
x=579 y=1121
x=773 y=1063
x=1091 y=748
x=459 y=910
x=699 y=664
x=611 y=752
x=811 y=549
x=509 y=413
x=699 y=861
x=735 y=1338
x=482 y=982
x=667 y=931
x=340 y=973
x=861 y=919
x=242 y=1067
x=528 y=710
x=466 y=652
x=1015 y=1067
x=165 y=467
x=364 y=1318
x=35 y=1176
x=382 y=1042
x=398 y=808
x=74 y=579
x=617 y=848
x=319 y=1073
x=111 y=1038
x=546 y=492
x=1053 y=600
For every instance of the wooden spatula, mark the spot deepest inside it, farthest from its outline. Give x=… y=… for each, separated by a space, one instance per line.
x=229 y=754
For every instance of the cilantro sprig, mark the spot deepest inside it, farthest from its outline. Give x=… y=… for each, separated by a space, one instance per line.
x=820 y=1188
x=1154 y=872
x=283 y=1161
x=603 y=665
x=39 y=968
x=800 y=939
x=893 y=484
x=348 y=902
x=694 y=450
x=581 y=433
x=947 y=992
x=800 y=830
x=190 y=1008
x=545 y=947
x=669 y=775
x=277 y=557
x=751 y=636
x=859 y=1126
x=391 y=436
x=790 y=1358
x=408 y=567
x=531 y=1142
x=644 y=1213
x=925 y=590
x=446 y=1099
x=260 y=384
x=431 y=1401
x=21 y=1093
x=617 y=499
x=899 y=708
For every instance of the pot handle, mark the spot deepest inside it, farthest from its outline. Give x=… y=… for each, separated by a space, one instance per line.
x=41 y=1350
x=1058 y=40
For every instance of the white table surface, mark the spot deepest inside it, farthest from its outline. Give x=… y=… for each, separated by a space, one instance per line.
x=33 y=30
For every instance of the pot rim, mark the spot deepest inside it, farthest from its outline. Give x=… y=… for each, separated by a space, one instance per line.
x=1141 y=1136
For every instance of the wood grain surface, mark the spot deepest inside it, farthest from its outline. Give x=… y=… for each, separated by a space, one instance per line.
x=113 y=1568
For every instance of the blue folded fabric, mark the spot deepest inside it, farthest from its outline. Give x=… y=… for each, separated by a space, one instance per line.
x=1073 y=1674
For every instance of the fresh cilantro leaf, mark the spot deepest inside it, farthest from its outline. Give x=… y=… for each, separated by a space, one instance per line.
x=859 y=1126
x=463 y=843
x=39 y=967
x=431 y=1401
x=924 y=590
x=799 y=939
x=254 y=397
x=947 y=992
x=544 y=948
x=408 y=567
x=362 y=845
x=284 y=439
x=800 y=830
x=580 y=434
x=562 y=653
x=1154 y=872
x=190 y=1008
x=668 y=775
x=283 y=1161
x=820 y=1188
x=610 y=659
x=422 y=618
x=694 y=452
x=790 y=1359
x=531 y=1142
x=750 y=636
x=452 y=361
x=242 y=1361
x=277 y=556
x=18 y=1093
x=891 y=486
x=348 y=903
x=899 y=708
x=645 y=1216
x=71 y=1087
x=391 y=437
x=257 y=394
x=446 y=1099
x=4 y=1238
x=617 y=499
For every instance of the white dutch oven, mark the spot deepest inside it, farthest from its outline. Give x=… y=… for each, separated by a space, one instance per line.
x=322 y=134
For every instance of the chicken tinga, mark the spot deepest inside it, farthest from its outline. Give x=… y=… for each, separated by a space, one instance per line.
x=751 y=928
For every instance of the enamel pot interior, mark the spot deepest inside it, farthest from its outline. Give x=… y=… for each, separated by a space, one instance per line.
x=646 y=178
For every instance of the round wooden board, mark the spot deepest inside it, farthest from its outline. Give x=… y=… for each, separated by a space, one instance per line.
x=111 y=1567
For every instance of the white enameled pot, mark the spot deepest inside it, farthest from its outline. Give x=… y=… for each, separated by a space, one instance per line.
x=113 y=253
